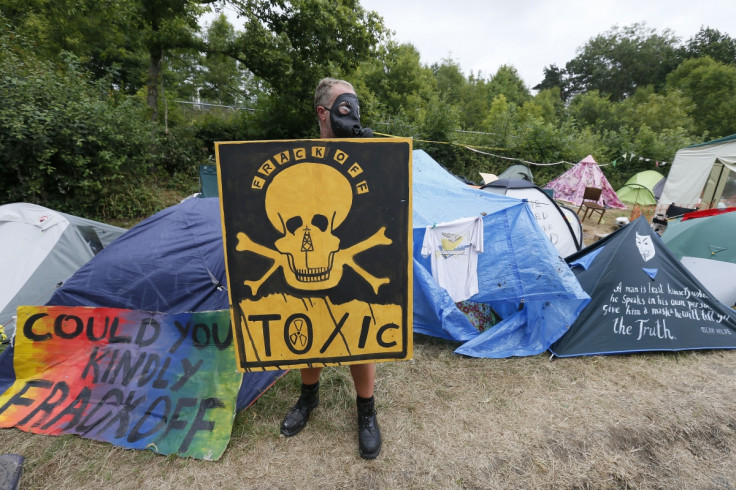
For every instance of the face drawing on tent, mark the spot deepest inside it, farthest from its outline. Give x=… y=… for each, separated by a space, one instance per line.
x=645 y=246
x=308 y=251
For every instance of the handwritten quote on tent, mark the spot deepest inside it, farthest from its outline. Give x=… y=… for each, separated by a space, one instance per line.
x=139 y=380
x=654 y=310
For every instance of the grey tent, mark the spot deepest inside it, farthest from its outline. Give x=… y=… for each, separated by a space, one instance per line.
x=517 y=171
x=40 y=249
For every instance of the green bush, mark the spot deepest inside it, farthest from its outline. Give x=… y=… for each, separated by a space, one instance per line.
x=69 y=143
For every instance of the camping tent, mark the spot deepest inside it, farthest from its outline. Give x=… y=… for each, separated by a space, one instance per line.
x=571 y=185
x=520 y=274
x=643 y=299
x=172 y=262
x=640 y=188
x=208 y=186
x=40 y=249
x=705 y=242
x=572 y=217
x=517 y=171
x=700 y=173
x=564 y=232
x=488 y=178
x=658 y=188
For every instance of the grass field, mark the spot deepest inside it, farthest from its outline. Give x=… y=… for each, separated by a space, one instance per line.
x=633 y=421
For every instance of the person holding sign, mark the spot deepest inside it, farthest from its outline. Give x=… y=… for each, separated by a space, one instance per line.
x=338 y=113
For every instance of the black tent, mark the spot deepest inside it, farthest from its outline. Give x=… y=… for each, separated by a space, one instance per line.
x=642 y=299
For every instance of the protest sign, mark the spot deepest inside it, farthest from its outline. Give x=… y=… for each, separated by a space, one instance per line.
x=318 y=247
x=140 y=380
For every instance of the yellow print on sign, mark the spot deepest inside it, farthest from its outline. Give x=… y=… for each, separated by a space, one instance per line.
x=317 y=248
x=308 y=252
x=294 y=329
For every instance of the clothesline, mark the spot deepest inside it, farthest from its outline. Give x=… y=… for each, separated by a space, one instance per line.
x=517 y=159
x=629 y=156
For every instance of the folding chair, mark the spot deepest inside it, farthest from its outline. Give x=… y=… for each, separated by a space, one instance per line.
x=590 y=203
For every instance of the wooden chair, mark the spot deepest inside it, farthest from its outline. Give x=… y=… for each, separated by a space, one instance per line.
x=590 y=205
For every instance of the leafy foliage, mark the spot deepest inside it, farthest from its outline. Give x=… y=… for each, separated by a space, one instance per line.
x=67 y=143
x=712 y=88
x=712 y=43
x=101 y=113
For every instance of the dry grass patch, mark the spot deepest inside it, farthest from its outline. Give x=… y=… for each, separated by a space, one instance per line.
x=639 y=421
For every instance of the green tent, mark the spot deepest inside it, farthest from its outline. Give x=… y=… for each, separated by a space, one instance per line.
x=208 y=181
x=712 y=236
x=705 y=243
x=639 y=189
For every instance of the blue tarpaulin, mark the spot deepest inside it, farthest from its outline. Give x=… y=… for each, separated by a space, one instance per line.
x=520 y=273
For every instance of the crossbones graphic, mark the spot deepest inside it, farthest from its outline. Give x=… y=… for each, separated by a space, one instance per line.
x=308 y=252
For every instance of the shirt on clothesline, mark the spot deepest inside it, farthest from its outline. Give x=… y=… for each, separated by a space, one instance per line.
x=454 y=248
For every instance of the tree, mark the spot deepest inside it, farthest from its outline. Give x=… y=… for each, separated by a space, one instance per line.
x=166 y=25
x=554 y=77
x=450 y=80
x=221 y=80
x=659 y=112
x=501 y=119
x=474 y=102
x=98 y=32
x=397 y=81
x=508 y=83
x=292 y=45
x=712 y=88
x=552 y=107
x=594 y=110
x=68 y=143
x=712 y=43
x=617 y=62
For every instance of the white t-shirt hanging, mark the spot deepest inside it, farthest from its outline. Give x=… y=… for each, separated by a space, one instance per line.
x=454 y=248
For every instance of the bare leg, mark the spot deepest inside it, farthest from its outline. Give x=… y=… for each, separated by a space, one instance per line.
x=311 y=375
x=364 y=377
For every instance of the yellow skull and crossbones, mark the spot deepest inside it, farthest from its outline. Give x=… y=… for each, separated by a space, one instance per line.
x=308 y=252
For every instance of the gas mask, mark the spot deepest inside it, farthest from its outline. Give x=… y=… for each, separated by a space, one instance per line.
x=345 y=118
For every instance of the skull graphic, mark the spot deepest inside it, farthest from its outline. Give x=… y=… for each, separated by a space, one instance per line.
x=305 y=203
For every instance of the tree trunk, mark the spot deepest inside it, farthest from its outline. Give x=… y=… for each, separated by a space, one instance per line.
x=154 y=78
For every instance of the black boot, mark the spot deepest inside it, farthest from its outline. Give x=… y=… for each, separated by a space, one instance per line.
x=297 y=417
x=369 y=435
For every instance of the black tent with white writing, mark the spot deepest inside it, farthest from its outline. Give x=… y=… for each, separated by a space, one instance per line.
x=642 y=299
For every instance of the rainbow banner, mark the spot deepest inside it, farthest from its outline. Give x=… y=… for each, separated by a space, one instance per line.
x=139 y=380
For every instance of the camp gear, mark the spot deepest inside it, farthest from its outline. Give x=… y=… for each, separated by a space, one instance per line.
x=643 y=299
x=590 y=204
x=641 y=188
x=40 y=249
x=563 y=229
x=700 y=175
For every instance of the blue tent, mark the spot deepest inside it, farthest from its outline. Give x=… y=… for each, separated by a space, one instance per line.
x=520 y=274
x=171 y=262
